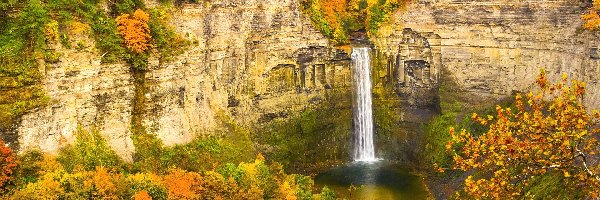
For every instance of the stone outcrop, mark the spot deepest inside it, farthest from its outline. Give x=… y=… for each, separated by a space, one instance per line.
x=412 y=69
x=251 y=62
x=491 y=48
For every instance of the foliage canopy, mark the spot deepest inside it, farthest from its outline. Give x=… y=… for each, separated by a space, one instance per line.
x=549 y=132
x=135 y=30
x=591 y=18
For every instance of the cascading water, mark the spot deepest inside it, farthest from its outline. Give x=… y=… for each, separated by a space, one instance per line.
x=364 y=149
x=378 y=179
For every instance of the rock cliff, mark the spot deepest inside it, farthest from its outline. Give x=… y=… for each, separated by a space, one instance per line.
x=254 y=61
x=251 y=61
x=491 y=48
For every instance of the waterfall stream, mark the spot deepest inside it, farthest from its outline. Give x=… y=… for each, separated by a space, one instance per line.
x=377 y=178
x=364 y=149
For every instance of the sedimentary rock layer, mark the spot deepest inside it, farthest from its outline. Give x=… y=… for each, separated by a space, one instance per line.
x=250 y=62
x=492 y=48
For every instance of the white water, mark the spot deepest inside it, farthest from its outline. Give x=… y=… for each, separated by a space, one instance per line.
x=364 y=150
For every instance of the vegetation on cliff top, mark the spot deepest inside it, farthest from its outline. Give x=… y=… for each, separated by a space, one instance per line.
x=548 y=135
x=337 y=19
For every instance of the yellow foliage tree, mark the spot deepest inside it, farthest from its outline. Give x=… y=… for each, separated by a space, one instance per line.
x=591 y=18
x=77 y=27
x=135 y=30
x=549 y=132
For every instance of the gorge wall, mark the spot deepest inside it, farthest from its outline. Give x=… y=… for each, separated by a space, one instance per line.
x=254 y=61
x=250 y=62
x=491 y=48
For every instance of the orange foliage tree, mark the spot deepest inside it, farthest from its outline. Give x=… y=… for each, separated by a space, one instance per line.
x=334 y=11
x=548 y=132
x=104 y=183
x=142 y=195
x=183 y=185
x=135 y=30
x=7 y=165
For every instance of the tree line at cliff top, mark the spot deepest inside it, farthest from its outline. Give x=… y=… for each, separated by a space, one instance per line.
x=337 y=19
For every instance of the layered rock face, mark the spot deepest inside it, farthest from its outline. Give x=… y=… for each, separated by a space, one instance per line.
x=251 y=62
x=491 y=48
x=254 y=61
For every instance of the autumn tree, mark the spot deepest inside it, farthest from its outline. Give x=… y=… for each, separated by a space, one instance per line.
x=135 y=30
x=547 y=132
x=336 y=19
x=334 y=12
x=591 y=18
x=142 y=195
x=7 y=165
x=183 y=185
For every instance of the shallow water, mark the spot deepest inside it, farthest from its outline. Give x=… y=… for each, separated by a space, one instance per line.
x=376 y=180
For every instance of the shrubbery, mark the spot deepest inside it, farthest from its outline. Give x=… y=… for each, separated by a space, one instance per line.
x=89 y=169
x=255 y=180
x=8 y=163
x=22 y=47
x=89 y=151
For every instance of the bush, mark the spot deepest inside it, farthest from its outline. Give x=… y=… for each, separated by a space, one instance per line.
x=8 y=163
x=198 y=155
x=327 y=194
x=119 y=7
x=29 y=168
x=165 y=40
x=149 y=183
x=89 y=151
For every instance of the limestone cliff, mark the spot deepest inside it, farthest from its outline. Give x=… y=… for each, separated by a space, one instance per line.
x=491 y=48
x=253 y=61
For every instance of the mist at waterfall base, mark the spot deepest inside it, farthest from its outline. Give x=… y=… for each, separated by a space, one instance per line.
x=375 y=178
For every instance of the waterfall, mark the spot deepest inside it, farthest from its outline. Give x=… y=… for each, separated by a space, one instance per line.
x=364 y=150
